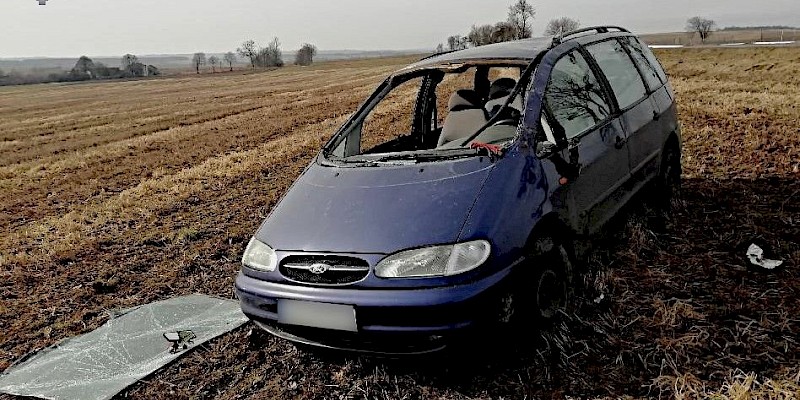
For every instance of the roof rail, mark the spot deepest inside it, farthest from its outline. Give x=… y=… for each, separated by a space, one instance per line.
x=597 y=29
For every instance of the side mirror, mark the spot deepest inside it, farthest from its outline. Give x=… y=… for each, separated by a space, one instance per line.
x=545 y=149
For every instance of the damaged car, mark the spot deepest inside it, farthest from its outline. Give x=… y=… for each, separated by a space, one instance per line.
x=452 y=198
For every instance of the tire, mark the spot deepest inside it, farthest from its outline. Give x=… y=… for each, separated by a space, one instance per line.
x=541 y=290
x=552 y=285
x=668 y=182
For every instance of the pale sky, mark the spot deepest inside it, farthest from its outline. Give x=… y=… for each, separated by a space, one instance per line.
x=70 y=28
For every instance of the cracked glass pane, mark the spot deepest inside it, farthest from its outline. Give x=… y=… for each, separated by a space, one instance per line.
x=130 y=346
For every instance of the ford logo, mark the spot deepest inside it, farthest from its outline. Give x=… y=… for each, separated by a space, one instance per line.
x=319 y=269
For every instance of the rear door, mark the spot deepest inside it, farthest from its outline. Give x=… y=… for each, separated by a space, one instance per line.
x=579 y=114
x=637 y=114
x=661 y=97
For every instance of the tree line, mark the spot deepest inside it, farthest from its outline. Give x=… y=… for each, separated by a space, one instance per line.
x=86 y=69
x=518 y=25
x=270 y=56
x=131 y=67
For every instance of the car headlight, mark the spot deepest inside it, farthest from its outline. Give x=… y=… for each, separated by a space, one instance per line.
x=435 y=261
x=259 y=256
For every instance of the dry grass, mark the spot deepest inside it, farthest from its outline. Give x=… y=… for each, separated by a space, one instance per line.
x=743 y=36
x=737 y=386
x=117 y=194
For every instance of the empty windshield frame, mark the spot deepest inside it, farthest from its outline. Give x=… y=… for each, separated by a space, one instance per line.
x=329 y=152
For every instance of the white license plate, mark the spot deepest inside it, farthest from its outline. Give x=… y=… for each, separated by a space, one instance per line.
x=317 y=315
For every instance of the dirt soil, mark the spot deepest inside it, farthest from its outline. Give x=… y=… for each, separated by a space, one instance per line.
x=118 y=194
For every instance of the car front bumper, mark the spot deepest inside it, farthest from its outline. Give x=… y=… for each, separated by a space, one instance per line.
x=389 y=321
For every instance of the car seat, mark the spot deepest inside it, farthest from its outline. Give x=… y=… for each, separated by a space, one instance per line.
x=466 y=115
x=498 y=95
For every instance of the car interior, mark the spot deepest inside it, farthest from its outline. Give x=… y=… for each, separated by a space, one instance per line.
x=474 y=94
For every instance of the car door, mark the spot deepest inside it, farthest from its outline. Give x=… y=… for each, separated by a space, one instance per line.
x=579 y=113
x=662 y=99
x=636 y=110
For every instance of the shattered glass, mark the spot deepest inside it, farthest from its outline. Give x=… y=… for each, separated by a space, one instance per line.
x=130 y=346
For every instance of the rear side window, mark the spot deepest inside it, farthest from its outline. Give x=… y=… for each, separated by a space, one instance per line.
x=574 y=96
x=621 y=72
x=646 y=62
x=642 y=48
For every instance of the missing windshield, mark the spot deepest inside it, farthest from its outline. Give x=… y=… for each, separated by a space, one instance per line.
x=434 y=114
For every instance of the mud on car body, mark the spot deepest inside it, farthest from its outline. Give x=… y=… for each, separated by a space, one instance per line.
x=448 y=201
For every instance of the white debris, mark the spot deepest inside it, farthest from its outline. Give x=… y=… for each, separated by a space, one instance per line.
x=778 y=43
x=599 y=299
x=756 y=256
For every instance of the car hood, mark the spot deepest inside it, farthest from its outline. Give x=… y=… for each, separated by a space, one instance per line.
x=377 y=209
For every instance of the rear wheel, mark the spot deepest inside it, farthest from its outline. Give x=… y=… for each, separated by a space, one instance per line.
x=668 y=183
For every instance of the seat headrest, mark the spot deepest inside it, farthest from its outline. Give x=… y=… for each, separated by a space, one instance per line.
x=501 y=88
x=464 y=98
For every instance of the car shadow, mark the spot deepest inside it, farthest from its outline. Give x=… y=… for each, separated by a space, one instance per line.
x=662 y=296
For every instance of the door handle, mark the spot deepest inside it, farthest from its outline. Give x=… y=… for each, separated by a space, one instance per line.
x=619 y=142
x=656 y=116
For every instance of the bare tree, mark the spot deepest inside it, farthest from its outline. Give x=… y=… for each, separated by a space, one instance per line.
x=561 y=25
x=305 y=56
x=481 y=35
x=273 y=56
x=270 y=56
x=214 y=60
x=127 y=61
x=84 y=67
x=504 y=32
x=198 y=60
x=456 y=42
x=249 y=51
x=520 y=15
x=440 y=48
x=230 y=58
x=136 y=69
x=701 y=25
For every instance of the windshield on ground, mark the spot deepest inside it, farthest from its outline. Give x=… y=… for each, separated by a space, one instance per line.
x=435 y=111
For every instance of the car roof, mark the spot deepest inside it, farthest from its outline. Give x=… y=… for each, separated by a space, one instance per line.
x=521 y=50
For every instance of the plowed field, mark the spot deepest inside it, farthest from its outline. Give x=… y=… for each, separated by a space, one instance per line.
x=116 y=194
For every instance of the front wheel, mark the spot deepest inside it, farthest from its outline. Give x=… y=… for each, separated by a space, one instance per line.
x=542 y=289
x=551 y=284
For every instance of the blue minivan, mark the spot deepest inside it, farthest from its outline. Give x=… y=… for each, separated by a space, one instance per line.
x=451 y=199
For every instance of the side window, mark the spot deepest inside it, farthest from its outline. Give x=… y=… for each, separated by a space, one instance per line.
x=622 y=74
x=574 y=96
x=646 y=62
x=653 y=60
x=392 y=117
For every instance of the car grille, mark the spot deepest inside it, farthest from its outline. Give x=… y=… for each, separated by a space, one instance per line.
x=324 y=270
